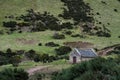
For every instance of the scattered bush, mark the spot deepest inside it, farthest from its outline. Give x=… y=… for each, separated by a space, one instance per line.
x=63 y=50
x=30 y=54
x=20 y=31
x=100 y=22
x=15 y=60
x=67 y=25
x=87 y=28
x=13 y=74
x=98 y=13
x=75 y=35
x=77 y=10
x=40 y=44
x=4 y=60
x=51 y=44
x=103 y=34
x=35 y=21
x=10 y=24
x=10 y=57
x=103 y=2
x=58 y=36
x=44 y=58
x=115 y=10
x=108 y=23
x=68 y=32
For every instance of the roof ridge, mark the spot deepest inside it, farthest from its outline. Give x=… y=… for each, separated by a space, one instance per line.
x=78 y=51
x=94 y=52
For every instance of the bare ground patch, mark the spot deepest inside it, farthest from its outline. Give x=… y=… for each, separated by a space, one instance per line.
x=25 y=41
x=79 y=44
x=37 y=69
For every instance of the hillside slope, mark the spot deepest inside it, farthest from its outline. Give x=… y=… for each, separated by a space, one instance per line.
x=17 y=7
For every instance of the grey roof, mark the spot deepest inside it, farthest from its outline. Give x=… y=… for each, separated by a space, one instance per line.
x=86 y=52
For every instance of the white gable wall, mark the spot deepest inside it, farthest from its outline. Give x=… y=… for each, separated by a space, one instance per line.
x=74 y=54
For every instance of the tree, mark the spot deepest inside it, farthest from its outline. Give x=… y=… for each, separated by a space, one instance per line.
x=13 y=74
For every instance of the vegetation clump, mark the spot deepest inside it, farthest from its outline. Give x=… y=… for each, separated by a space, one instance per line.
x=96 y=69
x=115 y=10
x=75 y=35
x=40 y=44
x=35 y=21
x=10 y=57
x=78 y=10
x=63 y=50
x=68 y=32
x=13 y=74
x=51 y=44
x=58 y=36
x=82 y=15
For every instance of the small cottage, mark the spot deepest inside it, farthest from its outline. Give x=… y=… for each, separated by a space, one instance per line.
x=77 y=55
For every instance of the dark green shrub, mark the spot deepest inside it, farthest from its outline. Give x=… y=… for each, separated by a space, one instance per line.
x=10 y=24
x=30 y=54
x=13 y=74
x=58 y=36
x=75 y=35
x=51 y=44
x=115 y=10
x=96 y=69
x=103 y=34
x=37 y=58
x=40 y=44
x=118 y=36
x=68 y=32
x=63 y=50
x=67 y=25
x=15 y=60
x=3 y=60
x=118 y=0
x=103 y=2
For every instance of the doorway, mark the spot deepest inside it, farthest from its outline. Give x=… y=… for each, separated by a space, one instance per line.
x=74 y=59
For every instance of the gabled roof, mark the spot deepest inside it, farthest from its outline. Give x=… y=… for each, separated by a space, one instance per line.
x=86 y=52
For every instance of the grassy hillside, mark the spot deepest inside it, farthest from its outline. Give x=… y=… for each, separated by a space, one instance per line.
x=17 y=7
x=107 y=14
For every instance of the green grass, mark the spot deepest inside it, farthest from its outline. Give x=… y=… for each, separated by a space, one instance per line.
x=12 y=41
x=107 y=14
x=59 y=64
x=23 y=65
x=18 y=7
